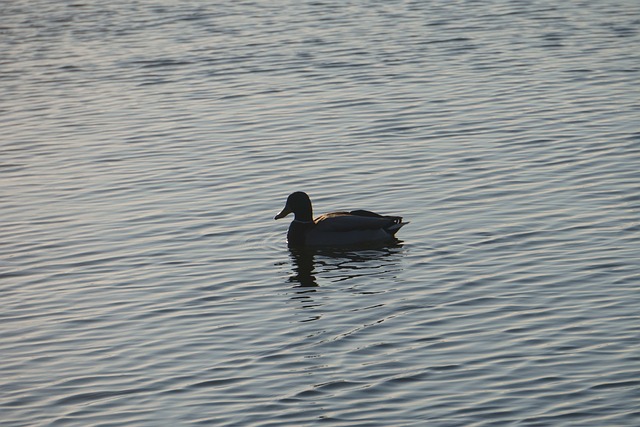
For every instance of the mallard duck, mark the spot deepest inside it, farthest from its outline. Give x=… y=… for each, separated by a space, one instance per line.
x=357 y=227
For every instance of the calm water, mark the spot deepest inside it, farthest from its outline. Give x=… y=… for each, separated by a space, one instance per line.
x=147 y=145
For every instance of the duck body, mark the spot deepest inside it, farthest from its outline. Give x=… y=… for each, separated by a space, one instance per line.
x=352 y=228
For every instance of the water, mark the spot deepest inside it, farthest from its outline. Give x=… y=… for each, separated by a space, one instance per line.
x=146 y=147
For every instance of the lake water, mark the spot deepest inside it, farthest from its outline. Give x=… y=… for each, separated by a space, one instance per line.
x=147 y=145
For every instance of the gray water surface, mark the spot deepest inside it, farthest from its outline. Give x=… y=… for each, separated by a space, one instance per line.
x=146 y=146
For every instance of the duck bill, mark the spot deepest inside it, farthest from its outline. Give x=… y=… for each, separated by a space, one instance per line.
x=284 y=212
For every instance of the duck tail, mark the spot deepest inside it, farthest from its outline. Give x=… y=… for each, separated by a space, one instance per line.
x=393 y=228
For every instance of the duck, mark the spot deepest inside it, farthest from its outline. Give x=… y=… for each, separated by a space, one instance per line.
x=348 y=228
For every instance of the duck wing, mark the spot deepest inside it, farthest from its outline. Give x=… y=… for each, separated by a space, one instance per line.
x=357 y=220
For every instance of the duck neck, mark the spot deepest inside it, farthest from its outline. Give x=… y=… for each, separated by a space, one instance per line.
x=304 y=213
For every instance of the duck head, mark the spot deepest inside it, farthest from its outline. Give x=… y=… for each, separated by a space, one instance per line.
x=300 y=204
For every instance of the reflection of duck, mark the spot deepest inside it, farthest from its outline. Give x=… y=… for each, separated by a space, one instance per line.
x=338 y=264
x=303 y=267
x=358 y=227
